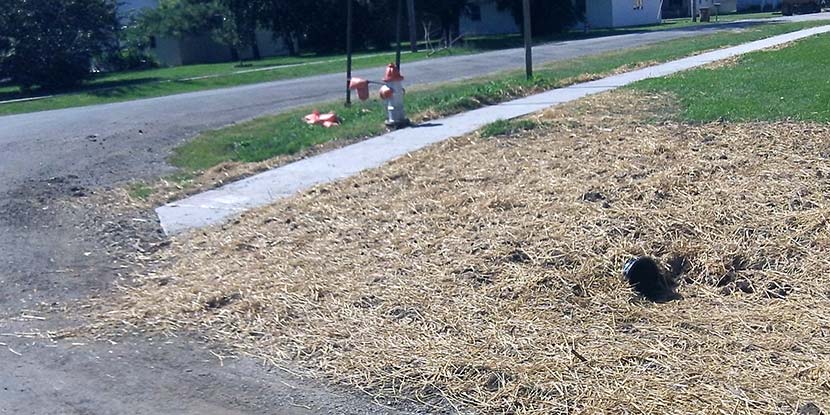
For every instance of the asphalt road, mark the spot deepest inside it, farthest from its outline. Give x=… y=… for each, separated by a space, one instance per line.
x=55 y=247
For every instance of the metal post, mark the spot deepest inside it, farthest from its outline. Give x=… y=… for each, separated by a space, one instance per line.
x=348 y=51
x=528 y=39
x=413 y=31
x=398 y=35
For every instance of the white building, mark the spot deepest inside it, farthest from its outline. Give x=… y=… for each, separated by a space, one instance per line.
x=759 y=5
x=194 y=49
x=621 y=13
x=484 y=18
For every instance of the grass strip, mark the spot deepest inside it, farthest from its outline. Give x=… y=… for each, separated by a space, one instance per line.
x=789 y=83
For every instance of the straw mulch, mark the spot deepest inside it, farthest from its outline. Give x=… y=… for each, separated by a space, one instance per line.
x=485 y=273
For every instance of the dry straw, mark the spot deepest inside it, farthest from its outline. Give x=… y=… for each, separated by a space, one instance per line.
x=484 y=273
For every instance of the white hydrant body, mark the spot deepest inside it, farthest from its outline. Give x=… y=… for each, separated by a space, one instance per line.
x=395 y=107
x=393 y=95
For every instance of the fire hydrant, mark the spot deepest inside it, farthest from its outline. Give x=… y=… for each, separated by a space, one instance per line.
x=393 y=93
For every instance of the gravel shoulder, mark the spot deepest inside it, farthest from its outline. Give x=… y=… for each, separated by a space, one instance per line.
x=65 y=242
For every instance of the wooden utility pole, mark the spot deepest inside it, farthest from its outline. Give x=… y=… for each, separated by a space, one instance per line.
x=413 y=30
x=528 y=39
x=348 y=51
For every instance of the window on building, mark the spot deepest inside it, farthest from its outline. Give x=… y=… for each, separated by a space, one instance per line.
x=638 y=4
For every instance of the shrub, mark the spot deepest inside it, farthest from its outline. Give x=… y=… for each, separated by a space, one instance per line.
x=51 y=43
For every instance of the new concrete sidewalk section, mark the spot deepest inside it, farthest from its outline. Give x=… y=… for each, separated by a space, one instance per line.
x=219 y=205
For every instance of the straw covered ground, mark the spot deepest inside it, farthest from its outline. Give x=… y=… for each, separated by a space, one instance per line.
x=484 y=273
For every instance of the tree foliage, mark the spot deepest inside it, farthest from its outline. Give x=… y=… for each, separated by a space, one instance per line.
x=229 y=22
x=51 y=43
x=446 y=12
x=321 y=25
x=177 y=18
x=238 y=24
x=547 y=16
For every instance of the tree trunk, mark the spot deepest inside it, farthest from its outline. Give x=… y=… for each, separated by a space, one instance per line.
x=255 y=48
x=288 y=41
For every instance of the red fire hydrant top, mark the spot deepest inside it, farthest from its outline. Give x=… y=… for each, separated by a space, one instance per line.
x=392 y=74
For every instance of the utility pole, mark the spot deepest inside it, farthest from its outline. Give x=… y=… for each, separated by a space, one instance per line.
x=348 y=51
x=413 y=30
x=399 y=22
x=528 y=39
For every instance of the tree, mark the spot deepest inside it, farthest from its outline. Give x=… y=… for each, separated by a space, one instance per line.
x=239 y=24
x=548 y=16
x=51 y=43
x=176 y=18
x=321 y=25
x=229 y=22
x=446 y=12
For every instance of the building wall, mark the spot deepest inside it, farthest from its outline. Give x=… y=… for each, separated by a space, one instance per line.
x=598 y=13
x=728 y=6
x=203 y=49
x=268 y=45
x=680 y=8
x=636 y=12
x=764 y=5
x=168 y=51
x=191 y=49
x=199 y=48
x=491 y=20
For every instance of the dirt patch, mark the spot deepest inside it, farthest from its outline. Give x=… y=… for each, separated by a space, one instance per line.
x=479 y=272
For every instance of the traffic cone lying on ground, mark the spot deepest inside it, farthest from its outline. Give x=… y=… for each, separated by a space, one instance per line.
x=326 y=120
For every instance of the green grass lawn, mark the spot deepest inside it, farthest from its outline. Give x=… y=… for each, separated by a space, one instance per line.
x=790 y=83
x=130 y=85
x=271 y=136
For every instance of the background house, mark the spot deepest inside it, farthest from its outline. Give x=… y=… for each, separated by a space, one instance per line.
x=483 y=17
x=191 y=49
x=759 y=5
x=621 y=13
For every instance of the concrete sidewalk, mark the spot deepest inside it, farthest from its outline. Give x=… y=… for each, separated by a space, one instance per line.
x=217 y=206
